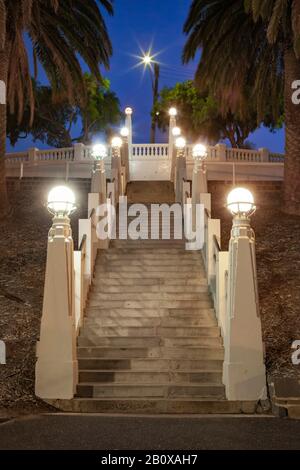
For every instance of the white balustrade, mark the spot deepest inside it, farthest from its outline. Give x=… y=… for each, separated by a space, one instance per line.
x=150 y=151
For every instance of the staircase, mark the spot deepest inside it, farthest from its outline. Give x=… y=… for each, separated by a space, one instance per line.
x=150 y=342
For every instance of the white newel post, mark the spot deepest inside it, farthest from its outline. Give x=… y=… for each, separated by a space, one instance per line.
x=125 y=161
x=78 y=152
x=172 y=137
x=221 y=152
x=244 y=372
x=85 y=229
x=199 y=177
x=180 y=176
x=116 y=166
x=180 y=168
x=128 y=125
x=265 y=154
x=32 y=154
x=56 y=367
x=98 y=182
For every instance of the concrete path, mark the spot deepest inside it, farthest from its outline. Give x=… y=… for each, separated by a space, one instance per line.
x=84 y=432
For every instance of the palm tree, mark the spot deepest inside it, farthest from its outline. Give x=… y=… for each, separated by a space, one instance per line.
x=254 y=43
x=60 y=32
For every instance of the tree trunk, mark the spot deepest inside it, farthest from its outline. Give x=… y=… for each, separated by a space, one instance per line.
x=4 y=204
x=292 y=142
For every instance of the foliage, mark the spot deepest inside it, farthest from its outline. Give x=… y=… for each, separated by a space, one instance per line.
x=237 y=64
x=53 y=120
x=61 y=33
x=200 y=115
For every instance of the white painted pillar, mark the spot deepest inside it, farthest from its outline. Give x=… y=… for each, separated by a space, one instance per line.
x=32 y=154
x=264 y=152
x=180 y=174
x=98 y=182
x=78 y=152
x=85 y=229
x=116 y=172
x=128 y=124
x=244 y=372
x=221 y=289
x=56 y=367
x=199 y=185
x=125 y=159
x=172 y=150
x=221 y=152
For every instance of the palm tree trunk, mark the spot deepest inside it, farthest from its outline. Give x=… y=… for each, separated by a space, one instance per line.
x=4 y=204
x=292 y=144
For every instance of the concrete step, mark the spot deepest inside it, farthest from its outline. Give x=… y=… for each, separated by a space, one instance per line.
x=201 y=353
x=141 y=289
x=150 y=364
x=102 y=280
x=139 y=261
x=142 y=331
x=155 y=250
x=158 y=406
x=95 y=390
x=113 y=255
x=142 y=269
x=148 y=341
x=94 y=323
x=149 y=296
x=149 y=304
x=142 y=377
x=164 y=313
x=183 y=276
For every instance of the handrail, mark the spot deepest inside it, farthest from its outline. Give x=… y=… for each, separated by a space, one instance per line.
x=207 y=213
x=216 y=243
x=82 y=243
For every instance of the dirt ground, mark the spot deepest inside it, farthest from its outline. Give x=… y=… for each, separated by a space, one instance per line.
x=22 y=264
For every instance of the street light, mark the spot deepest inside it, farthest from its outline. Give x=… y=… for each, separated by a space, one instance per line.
x=180 y=143
x=176 y=131
x=199 y=151
x=116 y=142
x=147 y=59
x=61 y=201
x=240 y=203
x=128 y=111
x=99 y=151
x=173 y=112
x=124 y=132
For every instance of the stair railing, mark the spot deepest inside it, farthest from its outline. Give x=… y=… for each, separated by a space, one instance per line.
x=231 y=277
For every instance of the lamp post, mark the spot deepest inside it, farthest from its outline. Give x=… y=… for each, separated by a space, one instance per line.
x=174 y=132
x=180 y=145
x=125 y=151
x=199 y=172
x=98 y=185
x=128 y=124
x=56 y=367
x=199 y=178
x=243 y=370
x=116 y=144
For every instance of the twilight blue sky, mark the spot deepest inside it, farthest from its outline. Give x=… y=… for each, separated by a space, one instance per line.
x=138 y=24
